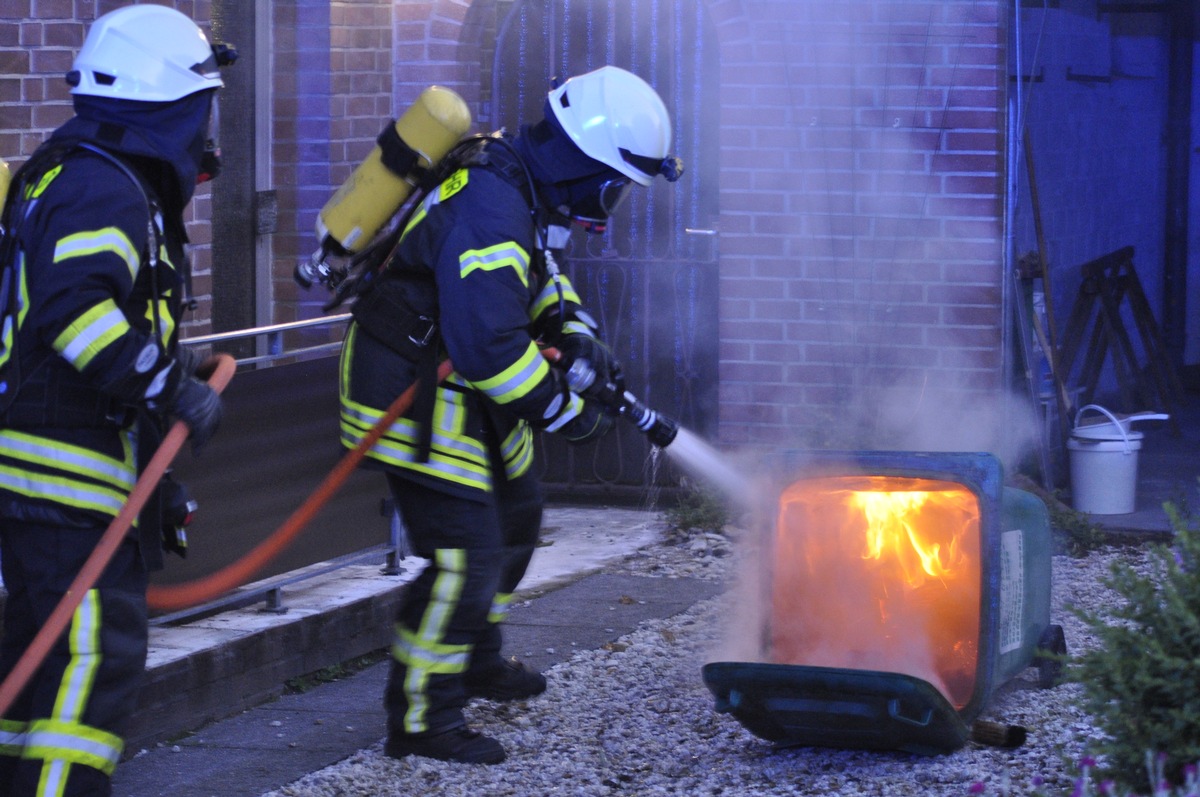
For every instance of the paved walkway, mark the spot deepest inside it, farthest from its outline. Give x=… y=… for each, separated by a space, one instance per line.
x=565 y=606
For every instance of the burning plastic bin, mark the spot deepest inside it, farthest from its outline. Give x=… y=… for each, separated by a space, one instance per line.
x=903 y=589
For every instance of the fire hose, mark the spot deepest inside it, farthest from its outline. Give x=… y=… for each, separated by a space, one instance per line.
x=580 y=377
x=191 y=593
x=220 y=370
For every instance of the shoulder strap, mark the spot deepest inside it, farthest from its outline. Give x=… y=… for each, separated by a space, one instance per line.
x=153 y=212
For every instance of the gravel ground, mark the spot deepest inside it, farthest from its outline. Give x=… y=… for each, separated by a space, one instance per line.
x=635 y=718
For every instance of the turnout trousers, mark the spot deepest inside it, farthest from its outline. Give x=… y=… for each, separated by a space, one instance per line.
x=449 y=621
x=62 y=736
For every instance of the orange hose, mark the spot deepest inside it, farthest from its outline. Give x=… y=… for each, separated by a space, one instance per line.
x=222 y=367
x=180 y=596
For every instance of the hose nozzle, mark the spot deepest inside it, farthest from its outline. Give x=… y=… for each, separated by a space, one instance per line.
x=659 y=429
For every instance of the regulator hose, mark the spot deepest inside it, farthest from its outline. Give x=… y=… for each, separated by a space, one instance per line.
x=219 y=370
x=234 y=575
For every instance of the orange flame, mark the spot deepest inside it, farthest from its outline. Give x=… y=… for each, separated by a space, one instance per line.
x=879 y=573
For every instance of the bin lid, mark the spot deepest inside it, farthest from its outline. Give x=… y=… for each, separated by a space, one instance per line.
x=1131 y=443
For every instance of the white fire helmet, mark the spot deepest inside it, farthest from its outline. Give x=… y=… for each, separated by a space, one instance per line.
x=615 y=117
x=146 y=52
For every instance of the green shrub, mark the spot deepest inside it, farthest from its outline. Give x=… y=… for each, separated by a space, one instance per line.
x=697 y=509
x=1143 y=683
x=1074 y=533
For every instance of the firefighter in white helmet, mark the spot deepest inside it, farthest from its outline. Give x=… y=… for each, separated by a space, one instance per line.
x=90 y=374
x=471 y=276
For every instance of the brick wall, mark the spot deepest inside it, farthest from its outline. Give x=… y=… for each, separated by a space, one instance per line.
x=38 y=42
x=861 y=227
x=861 y=177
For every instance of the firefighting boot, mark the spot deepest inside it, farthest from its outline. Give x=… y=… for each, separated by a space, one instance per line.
x=509 y=679
x=461 y=745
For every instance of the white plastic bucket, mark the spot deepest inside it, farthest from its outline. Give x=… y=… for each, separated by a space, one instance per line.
x=1104 y=467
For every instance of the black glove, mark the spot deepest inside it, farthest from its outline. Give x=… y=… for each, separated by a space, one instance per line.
x=199 y=406
x=177 y=510
x=578 y=346
x=590 y=424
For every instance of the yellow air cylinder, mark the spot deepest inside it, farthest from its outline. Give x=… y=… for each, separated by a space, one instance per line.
x=5 y=179
x=374 y=192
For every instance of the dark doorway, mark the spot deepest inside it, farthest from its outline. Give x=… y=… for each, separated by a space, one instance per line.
x=651 y=280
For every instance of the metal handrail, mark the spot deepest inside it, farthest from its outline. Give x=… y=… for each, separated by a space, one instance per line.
x=269 y=329
x=270 y=591
x=274 y=333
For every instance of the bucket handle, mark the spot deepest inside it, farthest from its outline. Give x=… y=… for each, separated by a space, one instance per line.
x=1111 y=417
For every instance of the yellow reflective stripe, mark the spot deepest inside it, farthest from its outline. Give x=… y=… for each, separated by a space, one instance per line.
x=11 y=323
x=457 y=458
x=430 y=201
x=73 y=743
x=109 y=239
x=439 y=659
x=429 y=654
x=13 y=736
x=516 y=380
x=404 y=455
x=62 y=491
x=453 y=457
x=496 y=257
x=517 y=451
x=71 y=462
x=344 y=362
x=83 y=639
x=44 y=183
x=450 y=413
x=578 y=328
x=71 y=459
x=91 y=333
x=574 y=407
x=501 y=603
x=548 y=297
x=63 y=740
x=444 y=597
x=357 y=418
x=52 y=780
x=166 y=323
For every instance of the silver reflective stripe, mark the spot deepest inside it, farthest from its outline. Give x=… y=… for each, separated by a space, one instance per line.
x=93 y=332
x=73 y=460
x=109 y=239
x=53 y=782
x=416 y=654
x=574 y=407
x=400 y=452
x=80 y=673
x=72 y=747
x=62 y=492
x=12 y=739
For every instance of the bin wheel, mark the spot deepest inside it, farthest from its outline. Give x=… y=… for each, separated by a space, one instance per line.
x=1052 y=647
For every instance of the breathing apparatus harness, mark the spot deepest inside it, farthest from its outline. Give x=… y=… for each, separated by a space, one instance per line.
x=386 y=317
x=11 y=289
